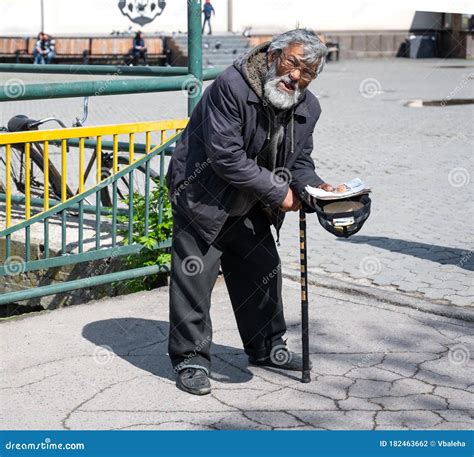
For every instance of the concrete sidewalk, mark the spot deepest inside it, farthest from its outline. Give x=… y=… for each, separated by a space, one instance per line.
x=104 y=366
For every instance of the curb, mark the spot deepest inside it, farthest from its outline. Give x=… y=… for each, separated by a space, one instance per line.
x=384 y=296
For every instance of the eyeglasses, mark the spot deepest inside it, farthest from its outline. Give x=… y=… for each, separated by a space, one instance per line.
x=290 y=64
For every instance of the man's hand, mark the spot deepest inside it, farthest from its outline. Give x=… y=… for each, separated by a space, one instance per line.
x=291 y=202
x=328 y=188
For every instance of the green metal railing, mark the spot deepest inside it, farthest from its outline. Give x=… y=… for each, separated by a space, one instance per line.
x=158 y=79
x=117 y=70
x=72 y=209
x=103 y=87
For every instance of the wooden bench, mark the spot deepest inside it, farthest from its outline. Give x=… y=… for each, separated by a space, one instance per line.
x=68 y=50
x=104 y=50
x=11 y=48
x=118 y=51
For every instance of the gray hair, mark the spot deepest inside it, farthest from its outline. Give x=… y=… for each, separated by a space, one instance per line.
x=314 y=49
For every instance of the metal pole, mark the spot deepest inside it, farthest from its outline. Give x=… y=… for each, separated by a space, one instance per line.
x=230 y=11
x=194 y=86
x=67 y=286
x=17 y=91
x=115 y=71
x=305 y=375
x=42 y=15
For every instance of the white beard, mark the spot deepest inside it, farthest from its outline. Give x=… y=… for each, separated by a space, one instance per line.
x=274 y=95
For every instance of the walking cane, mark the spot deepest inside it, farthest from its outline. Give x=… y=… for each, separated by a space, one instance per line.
x=305 y=374
x=351 y=215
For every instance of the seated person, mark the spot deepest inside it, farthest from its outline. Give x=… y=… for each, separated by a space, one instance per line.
x=40 y=50
x=51 y=47
x=44 y=51
x=139 y=50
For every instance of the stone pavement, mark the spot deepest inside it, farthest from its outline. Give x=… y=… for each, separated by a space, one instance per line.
x=419 y=239
x=103 y=365
x=419 y=161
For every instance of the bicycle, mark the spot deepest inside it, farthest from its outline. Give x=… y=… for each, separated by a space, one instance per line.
x=21 y=123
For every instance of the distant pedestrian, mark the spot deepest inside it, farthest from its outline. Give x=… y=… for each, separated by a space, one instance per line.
x=208 y=10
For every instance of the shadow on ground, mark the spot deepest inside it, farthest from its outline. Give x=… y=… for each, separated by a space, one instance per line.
x=443 y=255
x=144 y=343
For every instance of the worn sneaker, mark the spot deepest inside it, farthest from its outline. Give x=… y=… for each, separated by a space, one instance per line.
x=194 y=381
x=281 y=357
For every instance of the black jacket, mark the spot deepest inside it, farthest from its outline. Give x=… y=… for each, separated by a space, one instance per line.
x=215 y=157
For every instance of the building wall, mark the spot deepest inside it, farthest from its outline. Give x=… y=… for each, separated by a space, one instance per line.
x=101 y=17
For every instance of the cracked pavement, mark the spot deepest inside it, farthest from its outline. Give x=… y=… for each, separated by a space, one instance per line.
x=103 y=365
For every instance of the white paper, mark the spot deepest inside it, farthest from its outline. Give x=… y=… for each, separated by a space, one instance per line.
x=354 y=186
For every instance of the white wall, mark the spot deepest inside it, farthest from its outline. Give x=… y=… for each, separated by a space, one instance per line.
x=85 y=17
x=341 y=15
x=71 y=17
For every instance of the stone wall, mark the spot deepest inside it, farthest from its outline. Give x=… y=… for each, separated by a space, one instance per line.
x=358 y=44
x=19 y=280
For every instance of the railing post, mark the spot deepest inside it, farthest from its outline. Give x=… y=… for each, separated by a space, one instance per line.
x=194 y=52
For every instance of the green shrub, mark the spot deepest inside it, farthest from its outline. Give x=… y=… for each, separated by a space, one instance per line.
x=157 y=232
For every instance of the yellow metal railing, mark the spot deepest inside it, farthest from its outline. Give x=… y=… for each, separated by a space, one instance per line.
x=44 y=137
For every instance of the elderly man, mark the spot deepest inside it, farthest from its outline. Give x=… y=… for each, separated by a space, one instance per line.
x=239 y=166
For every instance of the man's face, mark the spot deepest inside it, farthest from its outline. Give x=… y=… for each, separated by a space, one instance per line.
x=290 y=63
x=288 y=76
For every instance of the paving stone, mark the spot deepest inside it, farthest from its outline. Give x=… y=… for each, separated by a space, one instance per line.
x=403 y=387
x=338 y=420
x=407 y=419
x=407 y=402
x=457 y=398
x=460 y=300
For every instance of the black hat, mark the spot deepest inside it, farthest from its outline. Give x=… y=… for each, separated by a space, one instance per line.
x=342 y=217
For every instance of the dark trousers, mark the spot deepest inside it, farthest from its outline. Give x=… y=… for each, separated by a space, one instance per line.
x=139 y=54
x=208 y=20
x=246 y=251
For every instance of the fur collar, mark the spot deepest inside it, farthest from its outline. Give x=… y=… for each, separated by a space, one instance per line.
x=253 y=66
